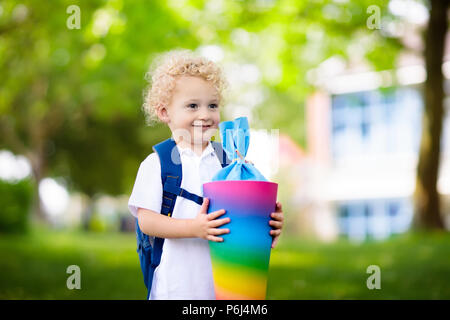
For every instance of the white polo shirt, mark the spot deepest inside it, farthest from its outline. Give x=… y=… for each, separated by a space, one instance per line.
x=185 y=271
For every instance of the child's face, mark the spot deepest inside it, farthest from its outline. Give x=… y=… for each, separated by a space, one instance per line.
x=193 y=112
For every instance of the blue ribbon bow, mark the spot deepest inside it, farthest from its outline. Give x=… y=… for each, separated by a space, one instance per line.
x=235 y=137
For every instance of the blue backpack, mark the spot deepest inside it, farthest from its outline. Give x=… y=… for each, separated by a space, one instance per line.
x=150 y=248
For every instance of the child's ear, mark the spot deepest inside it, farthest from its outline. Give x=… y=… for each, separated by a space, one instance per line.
x=163 y=115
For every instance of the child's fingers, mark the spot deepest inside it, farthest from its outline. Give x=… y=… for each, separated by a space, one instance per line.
x=217 y=232
x=274 y=242
x=205 y=204
x=218 y=222
x=215 y=214
x=276 y=224
x=275 y=233
x=278 y=207
x=277 y=216
x=213 y=238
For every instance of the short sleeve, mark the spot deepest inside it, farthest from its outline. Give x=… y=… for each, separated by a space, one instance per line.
x=147 y=189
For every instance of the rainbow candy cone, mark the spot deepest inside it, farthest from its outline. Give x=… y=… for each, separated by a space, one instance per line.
x=241 y=262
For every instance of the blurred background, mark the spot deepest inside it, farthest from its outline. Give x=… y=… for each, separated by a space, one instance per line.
x=348 y=104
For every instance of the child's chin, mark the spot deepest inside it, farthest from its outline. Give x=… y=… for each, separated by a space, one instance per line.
x=202 y=141
x=205 y=136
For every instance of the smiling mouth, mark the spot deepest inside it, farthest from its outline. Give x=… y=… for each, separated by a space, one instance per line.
x=202 y=126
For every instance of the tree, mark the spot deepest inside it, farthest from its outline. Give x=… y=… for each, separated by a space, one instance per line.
x=427 y=203
x=297 y=36
x=70 y=99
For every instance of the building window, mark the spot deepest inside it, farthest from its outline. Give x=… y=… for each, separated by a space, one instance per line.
x=379 y=122
x=374 y=219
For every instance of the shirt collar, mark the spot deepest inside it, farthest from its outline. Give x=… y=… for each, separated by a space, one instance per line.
x=188 y=151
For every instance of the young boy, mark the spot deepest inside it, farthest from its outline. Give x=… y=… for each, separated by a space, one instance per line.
x=185 y=93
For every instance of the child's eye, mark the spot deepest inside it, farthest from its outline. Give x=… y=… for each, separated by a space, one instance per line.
x=213 y=106
x=192 y=106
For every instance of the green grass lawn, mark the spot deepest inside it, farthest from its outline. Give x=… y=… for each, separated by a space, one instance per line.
x=413 y=266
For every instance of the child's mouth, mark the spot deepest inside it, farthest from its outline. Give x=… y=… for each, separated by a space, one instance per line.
x=202 y=127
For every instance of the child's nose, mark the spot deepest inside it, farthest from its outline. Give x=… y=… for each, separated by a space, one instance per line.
x=203 y=114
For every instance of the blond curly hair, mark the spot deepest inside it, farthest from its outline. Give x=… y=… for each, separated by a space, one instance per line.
x=163 y=73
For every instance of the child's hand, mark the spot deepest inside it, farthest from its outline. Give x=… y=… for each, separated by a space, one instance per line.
x=276 y=223
x=206 y=227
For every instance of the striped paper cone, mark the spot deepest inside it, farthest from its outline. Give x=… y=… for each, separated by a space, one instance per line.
x=241 y=262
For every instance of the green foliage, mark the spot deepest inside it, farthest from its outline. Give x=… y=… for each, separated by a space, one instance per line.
x=413 y=266
x=104 y=223
x=15 y=203
x=287 y=38
x=72 y=98
x=96 y=224
x=34 y=266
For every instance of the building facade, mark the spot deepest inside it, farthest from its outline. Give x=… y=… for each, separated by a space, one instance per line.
x=363 y=146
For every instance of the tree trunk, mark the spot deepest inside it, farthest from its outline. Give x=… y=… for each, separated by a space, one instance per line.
x=38 y=167
x=427 y=203
x=88 y=214
x=39 y=215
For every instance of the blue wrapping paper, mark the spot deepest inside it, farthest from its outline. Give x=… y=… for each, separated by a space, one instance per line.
x=235 y=135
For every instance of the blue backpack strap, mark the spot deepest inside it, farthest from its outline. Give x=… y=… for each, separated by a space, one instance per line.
x=221 y=154
x=150 y=248
x=171 y=171
x=171 y=175
x=144 y=250
x=176 y=190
